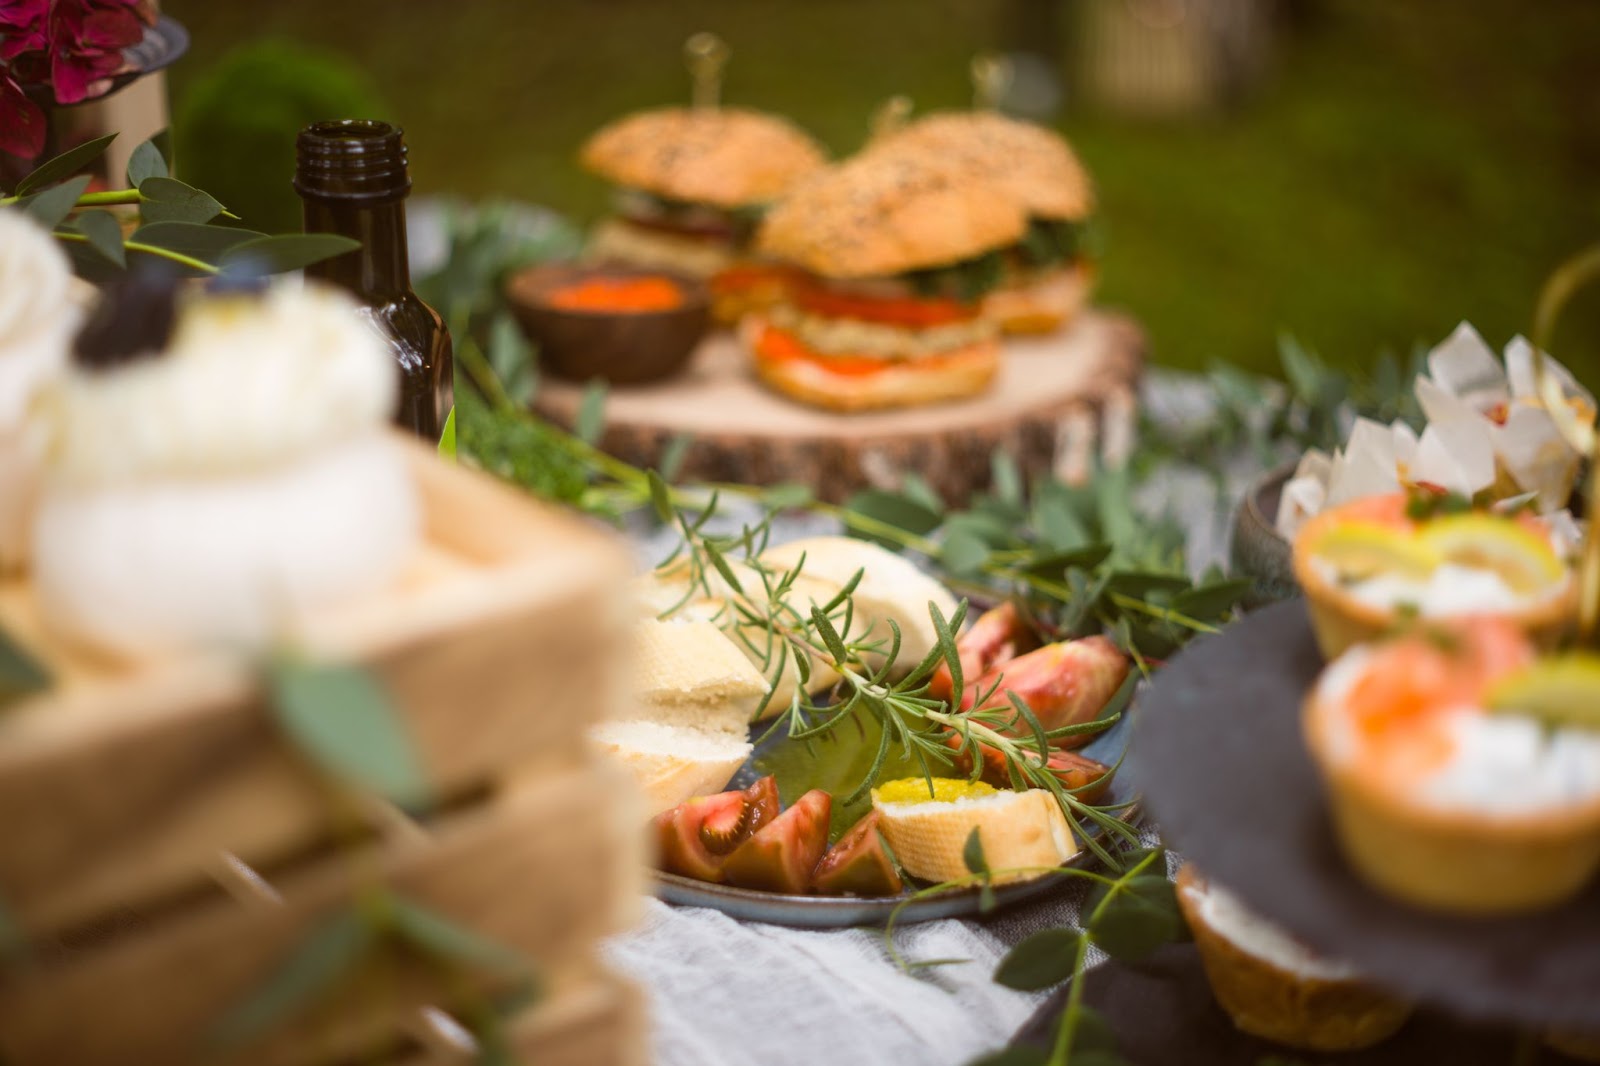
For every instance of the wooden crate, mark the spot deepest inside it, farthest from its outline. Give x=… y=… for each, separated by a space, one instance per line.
x=125 y=790
x=596 y=1020
x=118 y=787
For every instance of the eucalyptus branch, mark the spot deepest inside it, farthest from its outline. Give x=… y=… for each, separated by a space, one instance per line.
x=148 y=249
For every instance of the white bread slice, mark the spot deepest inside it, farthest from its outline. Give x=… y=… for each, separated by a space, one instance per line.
x=657 y=593
x=1018 y=829
x=672 y=763
x=688 y=673
x=891 y=587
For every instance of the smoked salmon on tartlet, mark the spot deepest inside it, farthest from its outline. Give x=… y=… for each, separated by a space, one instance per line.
x=1456 y=780
x=1373 y=564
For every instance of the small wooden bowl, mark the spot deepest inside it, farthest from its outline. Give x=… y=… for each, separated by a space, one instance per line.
x=620 y=347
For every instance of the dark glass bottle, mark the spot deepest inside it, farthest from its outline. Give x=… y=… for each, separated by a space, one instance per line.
x=352 y=176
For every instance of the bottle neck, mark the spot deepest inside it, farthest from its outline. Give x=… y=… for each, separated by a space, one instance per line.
x=379 y=269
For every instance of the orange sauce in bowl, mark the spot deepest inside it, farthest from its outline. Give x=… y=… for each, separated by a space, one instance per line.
x=613 y=295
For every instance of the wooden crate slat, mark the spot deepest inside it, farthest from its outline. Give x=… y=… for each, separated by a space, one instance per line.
x=545 y=871
x=500 y=645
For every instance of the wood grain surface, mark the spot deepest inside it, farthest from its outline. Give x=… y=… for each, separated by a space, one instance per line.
x=1059 y=403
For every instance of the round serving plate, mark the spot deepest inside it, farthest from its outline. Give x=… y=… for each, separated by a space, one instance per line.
x=1227 y=776
x=833 y=912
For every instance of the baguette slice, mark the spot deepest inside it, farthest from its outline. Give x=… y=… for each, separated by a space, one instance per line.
x=891 y=587
x=688 y=673
x=1022 y=832
x=672 y=763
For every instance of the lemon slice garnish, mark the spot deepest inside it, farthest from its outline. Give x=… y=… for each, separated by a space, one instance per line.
x=1563 y=690
x=1524 y=558
x=1359 y=550
x=945 y=790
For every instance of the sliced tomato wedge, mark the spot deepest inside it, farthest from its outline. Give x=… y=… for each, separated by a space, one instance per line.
x=910 y=311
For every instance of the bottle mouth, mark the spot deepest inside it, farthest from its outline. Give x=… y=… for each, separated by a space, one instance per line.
x=352 y=159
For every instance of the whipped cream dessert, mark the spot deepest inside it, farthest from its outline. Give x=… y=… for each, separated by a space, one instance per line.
x=214 y=492
x=38 y=315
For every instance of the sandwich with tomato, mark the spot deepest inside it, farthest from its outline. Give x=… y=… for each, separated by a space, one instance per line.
x=1046 y=275
x=896 y=254
x=691 y=187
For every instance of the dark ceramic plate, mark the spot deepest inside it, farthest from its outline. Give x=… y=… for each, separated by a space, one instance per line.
x=833 y=912
x=1228 y=777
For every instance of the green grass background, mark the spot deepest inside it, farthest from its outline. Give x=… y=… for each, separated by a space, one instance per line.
x=1407 y=164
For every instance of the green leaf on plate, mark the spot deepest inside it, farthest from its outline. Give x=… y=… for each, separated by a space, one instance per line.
x=50 y=206
x=343 y=720
x=64 y=165
x=170 y=200
x=447 y=439
x=438 y=936
x=972 y=853
x=1141 y=915
x=194 y=239
x=284 y=252
x=104 y=233
x=327 y=953
x=146 y=162
x=20 y=673
x=1046 y=958
x=591 y=420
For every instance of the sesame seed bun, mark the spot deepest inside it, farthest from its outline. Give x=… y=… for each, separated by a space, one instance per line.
x=1032 y=163
x=887 y=213
x=725 y=157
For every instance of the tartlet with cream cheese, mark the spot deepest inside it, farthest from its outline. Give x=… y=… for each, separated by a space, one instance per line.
x=1273 y=986
x=1375 y=563
x=1451 y=784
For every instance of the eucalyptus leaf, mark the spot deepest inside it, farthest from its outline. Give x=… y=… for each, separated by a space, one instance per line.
x=1006 y=477
x=447 y=438
x=1055 y=564
x=972 y=853
x=146 y=162
x=1212 y=600
x=893 y=508
x=1140 y=915
x=511 y=357
x=442 y=938
x=1058 y=524
x=346 y=723
x=963 y=553
x=787 y=495
x=284 y=252
x=52 y=205
x=916 y=488
x=20 y=673
x=1046 y=958
x=673 y=456
x=325 y=954
x=591 y=420
x=104 y=233
x=64 y=165
x=194 y=239
x=170 y=200
x=985 y=527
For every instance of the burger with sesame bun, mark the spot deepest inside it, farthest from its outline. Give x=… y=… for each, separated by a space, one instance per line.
x=898 y=253
x=1047 y=274
x=692 y=184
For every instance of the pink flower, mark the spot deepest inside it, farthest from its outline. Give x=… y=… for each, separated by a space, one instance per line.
x=21 y=121
x=22 y=26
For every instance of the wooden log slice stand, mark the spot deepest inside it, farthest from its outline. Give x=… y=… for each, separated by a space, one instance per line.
x=1059 y=403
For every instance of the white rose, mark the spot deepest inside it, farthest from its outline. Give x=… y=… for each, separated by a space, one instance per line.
x=37 y=319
